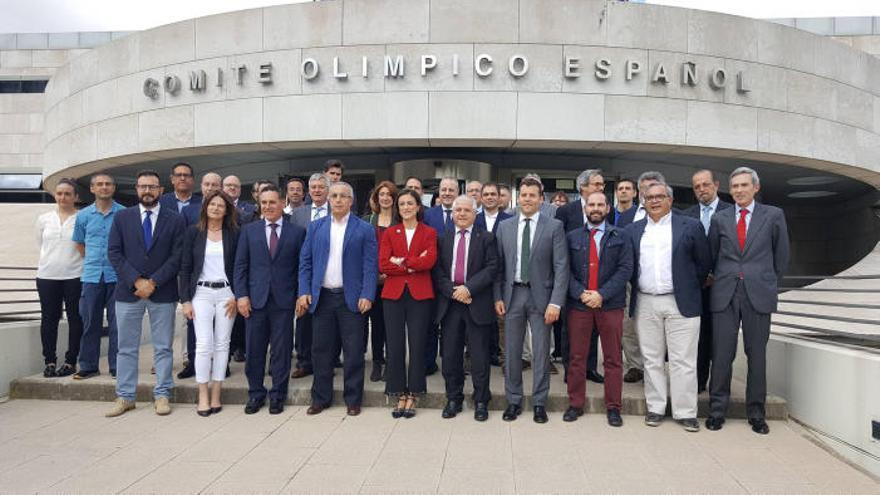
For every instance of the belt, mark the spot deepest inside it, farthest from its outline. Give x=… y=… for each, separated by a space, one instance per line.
x=651 y=294
x=213 y=285
x=335 y=290
x=527 y=285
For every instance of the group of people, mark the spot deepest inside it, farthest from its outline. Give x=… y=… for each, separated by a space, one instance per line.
x=664 y=290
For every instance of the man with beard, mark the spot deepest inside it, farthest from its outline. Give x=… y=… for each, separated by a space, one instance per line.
x=144 y=249
x=601 y=264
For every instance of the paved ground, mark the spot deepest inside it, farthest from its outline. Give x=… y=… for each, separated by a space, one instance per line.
x=69 y=447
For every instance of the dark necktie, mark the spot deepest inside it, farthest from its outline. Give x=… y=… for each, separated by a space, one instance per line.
x=741 y=229
x=148 y=231
x=460 y=254
x=448 y=222
x=525 y=252
x=273 y=240
x=593 y=280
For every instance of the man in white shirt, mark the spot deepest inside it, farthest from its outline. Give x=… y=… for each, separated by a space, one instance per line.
x=474 y=189
x=646 y=180
x=296 y=193
x=672 y=262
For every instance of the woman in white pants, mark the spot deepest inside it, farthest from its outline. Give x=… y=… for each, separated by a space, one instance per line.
x=206 y=293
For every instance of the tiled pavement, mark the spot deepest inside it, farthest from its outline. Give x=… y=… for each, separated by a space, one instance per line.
x=69 y=447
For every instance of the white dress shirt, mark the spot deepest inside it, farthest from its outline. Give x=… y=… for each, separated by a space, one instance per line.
x=490 y=220
x=153 y=217
x=279 y=223
x=59 y=258
x=409 y=236
x=467 y=246
x=655 y=257
x=519 y=231
x=640 y=212
x=750 y=208
x=333 y=274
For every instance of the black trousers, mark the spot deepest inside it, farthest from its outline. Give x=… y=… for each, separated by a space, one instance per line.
x=406 y=319
x=303 y=342
x=335 y=326
x=269 y=328
x=704 y=347
x=238 y=341
x=54 y=293
x=756 y=333
x=374 y=330
x=459 y=326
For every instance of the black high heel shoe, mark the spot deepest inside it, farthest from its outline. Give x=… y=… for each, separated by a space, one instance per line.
x=205 y=413
x=410 y=410
x=398 y=410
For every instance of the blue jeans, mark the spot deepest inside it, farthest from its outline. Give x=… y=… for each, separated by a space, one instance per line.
x=129 y=321
x=95 y=298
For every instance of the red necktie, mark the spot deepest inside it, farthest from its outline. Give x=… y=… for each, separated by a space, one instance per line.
x=741 y=229
x=460 y=253
x=593 y=282
x=273 y=240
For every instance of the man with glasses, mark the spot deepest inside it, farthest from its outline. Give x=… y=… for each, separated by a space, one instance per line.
x=183 y=182
x=144 y=249
x=232 y=187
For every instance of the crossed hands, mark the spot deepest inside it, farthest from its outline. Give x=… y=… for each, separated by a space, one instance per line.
x=462 y=294
x=591 y=299
x=144 y=287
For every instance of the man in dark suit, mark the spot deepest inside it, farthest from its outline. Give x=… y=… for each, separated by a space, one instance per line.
x=749 y=244
x=304 y=215
x=601 y=262
x=337 y=284
x=706 y=191
x=440 y=219
x=246 y=209
x=573 y=217
x=266 y=267
x=144 y=249
x=464 y=274
x=624 y=212
x=489 y=219
x=530 y=289
x=672 y=262
x=210 y=182
x=183 y=182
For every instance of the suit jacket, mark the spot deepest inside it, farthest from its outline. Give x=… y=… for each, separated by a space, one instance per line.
x=622 y=219
x=393 y=244
x=125 y=250
x=192 y=259
x=434 y=218
x=360 y=269
x=190 y=213
x=762 y=264
x=548 y=264
x=480 y=222
x=257 y=274
x=615 y=266
x=691 y=262
x=572 y=216
x=169 y=201
x=481 y=269
x=246 y=212
x=694 y=211
x=302 y=215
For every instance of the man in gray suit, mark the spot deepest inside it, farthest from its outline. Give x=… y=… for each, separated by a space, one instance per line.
x=530 y=289
x=749 y=245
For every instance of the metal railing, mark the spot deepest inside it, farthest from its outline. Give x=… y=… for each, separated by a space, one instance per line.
x=16 y=283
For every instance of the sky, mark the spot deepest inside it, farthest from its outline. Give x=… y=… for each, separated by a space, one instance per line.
x=55 y=16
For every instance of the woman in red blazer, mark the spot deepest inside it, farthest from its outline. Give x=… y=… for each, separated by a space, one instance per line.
x=407 y=253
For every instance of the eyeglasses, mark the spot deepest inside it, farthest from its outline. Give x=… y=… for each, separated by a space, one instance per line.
x=182 y=176
x=147 y=187
x=658 y=197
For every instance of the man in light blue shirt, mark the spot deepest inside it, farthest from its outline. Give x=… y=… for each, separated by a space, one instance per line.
x=91 y=232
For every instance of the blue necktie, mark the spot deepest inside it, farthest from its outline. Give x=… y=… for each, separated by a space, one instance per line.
x=705 y=218
x=448 y=223
x=148 y=231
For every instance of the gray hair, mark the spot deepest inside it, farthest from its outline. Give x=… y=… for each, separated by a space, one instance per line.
x=449 y=178
x=585 y=176
x=468 y=199
x=320 y=177
x=651 y=175
x=533 y=176
x=666 y=186
x=345 y=185
x=746 y=170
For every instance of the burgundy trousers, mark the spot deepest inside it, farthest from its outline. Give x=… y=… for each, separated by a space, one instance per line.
x=580 y=326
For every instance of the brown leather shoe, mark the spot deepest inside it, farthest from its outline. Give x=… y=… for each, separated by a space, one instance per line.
x=315 y=409
x=300 y=373
x=354 y=410
x=633 y=375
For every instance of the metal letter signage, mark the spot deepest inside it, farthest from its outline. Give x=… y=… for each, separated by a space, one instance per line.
x=151 y=88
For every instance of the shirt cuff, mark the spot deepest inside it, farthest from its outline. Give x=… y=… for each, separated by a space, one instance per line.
x=555 y=306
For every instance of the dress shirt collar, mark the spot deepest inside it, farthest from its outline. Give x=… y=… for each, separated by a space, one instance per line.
x=750 y=208
x=183 y=200
x=601 y=227
x=534 y=218
x=276 y=222
x=469 y=230
x=664 y=220
x=154 y=209
x=489 y=215
x=344 y=220
x=713 y=205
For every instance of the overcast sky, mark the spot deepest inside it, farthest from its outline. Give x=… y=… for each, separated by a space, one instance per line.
x=34 y=16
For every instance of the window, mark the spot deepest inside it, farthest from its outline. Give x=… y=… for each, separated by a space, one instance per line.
x=20 y=86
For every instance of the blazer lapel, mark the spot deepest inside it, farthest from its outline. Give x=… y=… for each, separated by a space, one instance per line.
x=285 y=233
x=676 y=232
x=161 y=221
x=755 y=225
x=472 y=250
x=539 y=230
x=348 y=231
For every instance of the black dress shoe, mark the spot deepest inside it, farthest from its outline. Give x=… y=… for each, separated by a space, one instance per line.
x=205 y=413
x=614 y=418
x=238 y=356
x=634 y=375
x=66 y=370
x=376 y=372
x=452 y=408
x=188 y=371
x=572 y=414
x=431 y=369
x=481 y=412
x=512 y=412
x=759 y=426
x=215 y=410
x=714 y=424
x=276 y=406
x=594 y=376
x=253 y=406
x=540 y=415
x=495 y=361
x=227 y=371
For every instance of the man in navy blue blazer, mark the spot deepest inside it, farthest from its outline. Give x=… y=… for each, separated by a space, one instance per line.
x=144 y=248
x=672 y=262
x=266 y=267
x=183 y=182
x=338 y=271
x=210 y=182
